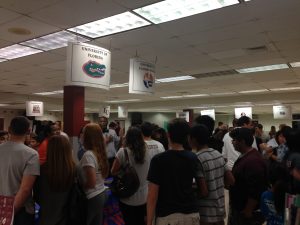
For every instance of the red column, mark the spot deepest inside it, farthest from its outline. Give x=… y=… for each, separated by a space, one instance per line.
x=73 y=110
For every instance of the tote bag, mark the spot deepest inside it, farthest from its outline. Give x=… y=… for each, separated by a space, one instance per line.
x=6 y=210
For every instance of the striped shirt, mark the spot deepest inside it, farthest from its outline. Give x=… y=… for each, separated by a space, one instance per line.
x=212 y=207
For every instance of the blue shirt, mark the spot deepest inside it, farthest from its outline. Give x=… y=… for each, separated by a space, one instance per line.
x=267 y=208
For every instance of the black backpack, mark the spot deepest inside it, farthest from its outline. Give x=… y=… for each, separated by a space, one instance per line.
x=126 y=182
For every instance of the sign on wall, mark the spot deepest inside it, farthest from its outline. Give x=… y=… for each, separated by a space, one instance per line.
x=246 y=111
x=34 y=108
x=104 y=111
x=282 y=112
x=141 y=77
x=122 y=112
x=208 y=112
x=183 y=115
x=88 y=65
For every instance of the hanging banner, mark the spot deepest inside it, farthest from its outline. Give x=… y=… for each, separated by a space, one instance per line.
x=246 y=111
x=34 y=108
x=208 y=112
x=122 y=112
x=282 y=112
x=104 y=111
x=88 y=66
x=141 y=77
x=183 y=115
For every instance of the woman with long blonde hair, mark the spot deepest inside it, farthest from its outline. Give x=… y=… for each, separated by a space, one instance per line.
x=95 y=169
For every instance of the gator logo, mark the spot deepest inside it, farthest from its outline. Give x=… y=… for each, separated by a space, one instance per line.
x=148 y=80
x=94 y=69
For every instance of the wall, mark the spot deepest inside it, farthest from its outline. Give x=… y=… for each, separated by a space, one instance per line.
x=8 y=115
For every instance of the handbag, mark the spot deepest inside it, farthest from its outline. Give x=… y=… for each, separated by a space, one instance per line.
x=6 y=210
x=126 y=182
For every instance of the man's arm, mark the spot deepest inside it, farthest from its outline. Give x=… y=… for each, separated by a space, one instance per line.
x=249 y=208
x=202 y=187
x=24 y=192
x=151 y=201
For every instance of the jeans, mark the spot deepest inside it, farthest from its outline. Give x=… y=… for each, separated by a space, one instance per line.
x=95 y=207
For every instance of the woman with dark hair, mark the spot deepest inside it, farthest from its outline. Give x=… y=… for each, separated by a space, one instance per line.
x=55 y=182
x=134 y=207
x=95 y=169
x=159 y=134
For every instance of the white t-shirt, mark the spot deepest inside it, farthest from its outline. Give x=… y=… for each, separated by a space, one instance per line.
x=154 y=147
x=89 y=159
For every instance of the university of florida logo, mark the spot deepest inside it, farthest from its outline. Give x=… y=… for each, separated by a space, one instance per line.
x=148 y=79
x=94 y=69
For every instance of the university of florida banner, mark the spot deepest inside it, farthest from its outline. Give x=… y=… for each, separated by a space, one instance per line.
x=34 y=108
x=208 y=112
x=141 y=77
x=88 y=65
x=245 y=111
x=282 y=112
x=104 y=111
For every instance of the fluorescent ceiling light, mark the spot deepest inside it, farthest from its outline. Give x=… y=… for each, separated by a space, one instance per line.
x=295 y=64
x=253 y=91
x=50 y=92
x=263 y=68
x=110 y=25
x=126 y=100
x=3 y=60
x=53 y=41
x=55 y=110
x=223 y=93
x=285 y=89
x=198 y=95
x=172 y=79
x=17 y=51
x=171 y=97
x=2 y=105
x=118 y=85
x=171 y=10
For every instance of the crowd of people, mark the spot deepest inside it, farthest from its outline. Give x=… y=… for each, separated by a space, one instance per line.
x=183 y=173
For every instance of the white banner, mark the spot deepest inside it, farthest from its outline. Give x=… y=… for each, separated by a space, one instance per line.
x=88 y=65
x=34 y=108
x=122 y=112
x=104 y=111
x=141 y=77
x=208 y=112
x=282 y=112
x=183 y=115
x=246 y=111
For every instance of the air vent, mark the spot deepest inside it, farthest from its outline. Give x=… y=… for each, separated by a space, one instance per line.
x=215 y=74
x=19 y=84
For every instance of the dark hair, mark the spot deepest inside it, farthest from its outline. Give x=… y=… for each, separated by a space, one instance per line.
x=293 y=140
x=243 y=120
x=159 y=134
x=147 y=129
x=178 y=130
x=135 y=142
x=243 y=133
x=19 y=125
x=3 y=133
x=60 y=164
x=200 y=133
x=234 y=122
x=48 y=129
x=207 y=121
x=112 y=124
x=260 y=126
x=286 y=130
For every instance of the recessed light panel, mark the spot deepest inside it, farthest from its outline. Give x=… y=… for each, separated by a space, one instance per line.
x=53 y=41
x=50 y=92
x=126 y=100
x=172 y=97
x=263 y=68
x=111 y=25
x=172 y=79
x=295 y=64
x=168 y=10
x=17 y=51
x=254 y=91
x=285 y=89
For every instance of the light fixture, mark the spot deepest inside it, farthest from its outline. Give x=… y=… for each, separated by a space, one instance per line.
x=285 y=89
x=172 y=79
x=110 y=25
x=53 y=41
x=3 y=60
x=169 y=10
x=17 y=51
x=223 y=93
x=50 y=92
x=196 y=95
x=118 y=85
x=3 y=104
x=172 y=97
x=295 y=64
x=126 y=100
x=263 y=68
x=253 y=91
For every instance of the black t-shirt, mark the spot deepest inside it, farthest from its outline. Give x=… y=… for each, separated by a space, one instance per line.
x=174 y=171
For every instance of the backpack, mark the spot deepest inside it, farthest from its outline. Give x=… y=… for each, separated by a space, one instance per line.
x=126 y=182
x=77 y=205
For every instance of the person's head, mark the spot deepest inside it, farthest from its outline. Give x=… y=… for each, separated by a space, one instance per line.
x=3 y=136
x=19 y=126
x=242 y=139
x=245 y=121
x=93 y=140
x=178 y=131
x=60 y=163
x=273 y=128
x=51 y=129
x=280 y=139
x=207 y=121
x=199 y=136
x=113 y=125
x=34 y=141
x=147 y=129
x=59 y=125
x=220 y=123
x=235 y=122
x=159 y=134
x=103 y=121
x=135 y=142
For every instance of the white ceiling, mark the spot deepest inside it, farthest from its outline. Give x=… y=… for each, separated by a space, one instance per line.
x=214 y=41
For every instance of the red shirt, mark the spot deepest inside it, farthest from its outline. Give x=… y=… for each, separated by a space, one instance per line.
x=43 y=151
